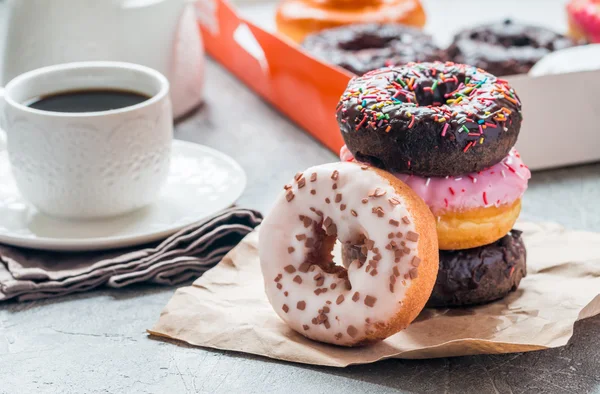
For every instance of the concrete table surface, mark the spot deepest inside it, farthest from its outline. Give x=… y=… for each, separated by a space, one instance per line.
x=96 y=342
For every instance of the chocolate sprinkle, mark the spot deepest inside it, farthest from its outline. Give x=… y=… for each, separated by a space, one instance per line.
x=331 y=230
x=416 y=261
x=394 y=222
x=291 y=249
x=340 y=299
x=394 y=201
x=300 y=237
x=356 y=296
x=379 y=192
x=307 y=222
x=412 y=236
x=413 y=273
x=305 y=327
x=298 y=279
x=335 y=175
x=301 y=183
x=289 y=196
x=313 y=177
x=406 y=220
x=290 y=269
x=370 y=301
x=352 y=331
x=285 y=308
x=301 y=305
x=338 y=197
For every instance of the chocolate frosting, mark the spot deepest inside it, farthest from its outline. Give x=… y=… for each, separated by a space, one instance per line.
x=429 y=119
x=472 y=276
x=364 y=47
x=506 y=48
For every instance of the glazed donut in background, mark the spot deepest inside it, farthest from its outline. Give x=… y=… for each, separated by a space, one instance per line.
x=298 y=18
x=472 y=276
x=429 y=119
x=584 y=20
x=473 y=209
x=506 y=48
x=359 y=205
x=364 y=47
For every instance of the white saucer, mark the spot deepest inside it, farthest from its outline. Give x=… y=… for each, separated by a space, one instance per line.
x=202 y=182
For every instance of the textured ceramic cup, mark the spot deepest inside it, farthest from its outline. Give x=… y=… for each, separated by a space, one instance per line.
x=91 y=164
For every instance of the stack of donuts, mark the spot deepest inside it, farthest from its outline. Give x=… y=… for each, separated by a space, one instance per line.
x=423 y=203
x=447 y=131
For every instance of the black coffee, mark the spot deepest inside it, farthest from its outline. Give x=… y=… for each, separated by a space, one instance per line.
x=89 y=100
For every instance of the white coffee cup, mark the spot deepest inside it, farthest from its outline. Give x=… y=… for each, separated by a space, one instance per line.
x=91 y=164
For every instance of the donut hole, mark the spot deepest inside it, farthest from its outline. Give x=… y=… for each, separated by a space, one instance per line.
x=426 y=96
x=365 y=41
x=322 y=254
x=328 y=250
x=362 y=158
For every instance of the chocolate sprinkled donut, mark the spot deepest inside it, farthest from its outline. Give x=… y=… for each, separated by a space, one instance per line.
x=472 y=276
x=506 y=48
x=364 y=47
x=366 y=301
x=429 y=119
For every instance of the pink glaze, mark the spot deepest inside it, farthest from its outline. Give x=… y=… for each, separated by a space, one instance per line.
x=501 y=184
x=586 y=15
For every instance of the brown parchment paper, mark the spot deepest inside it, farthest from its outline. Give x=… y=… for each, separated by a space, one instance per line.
x=227 y=309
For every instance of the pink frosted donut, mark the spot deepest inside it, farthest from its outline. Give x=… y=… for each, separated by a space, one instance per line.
x=501 y=184
x=584 y=19
x=359 y=206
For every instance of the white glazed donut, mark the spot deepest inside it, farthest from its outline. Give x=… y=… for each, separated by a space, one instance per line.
x=359 y=205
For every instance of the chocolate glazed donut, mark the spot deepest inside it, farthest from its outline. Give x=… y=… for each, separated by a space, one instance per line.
x=506 y=48
x=472 y=276
x=480 y=275
x=429 y=119
x=364 y=47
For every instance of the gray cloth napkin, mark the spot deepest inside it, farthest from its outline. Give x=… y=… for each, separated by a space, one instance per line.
x=32 y=275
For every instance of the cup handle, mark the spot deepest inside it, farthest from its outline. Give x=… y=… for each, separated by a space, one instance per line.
x=2 y=132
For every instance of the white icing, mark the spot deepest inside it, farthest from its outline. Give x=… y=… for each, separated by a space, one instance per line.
x=279 y=230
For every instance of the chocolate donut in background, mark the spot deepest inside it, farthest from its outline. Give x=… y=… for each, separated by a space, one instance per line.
x=472 y=276
x=506 y=48
x=361 y=48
